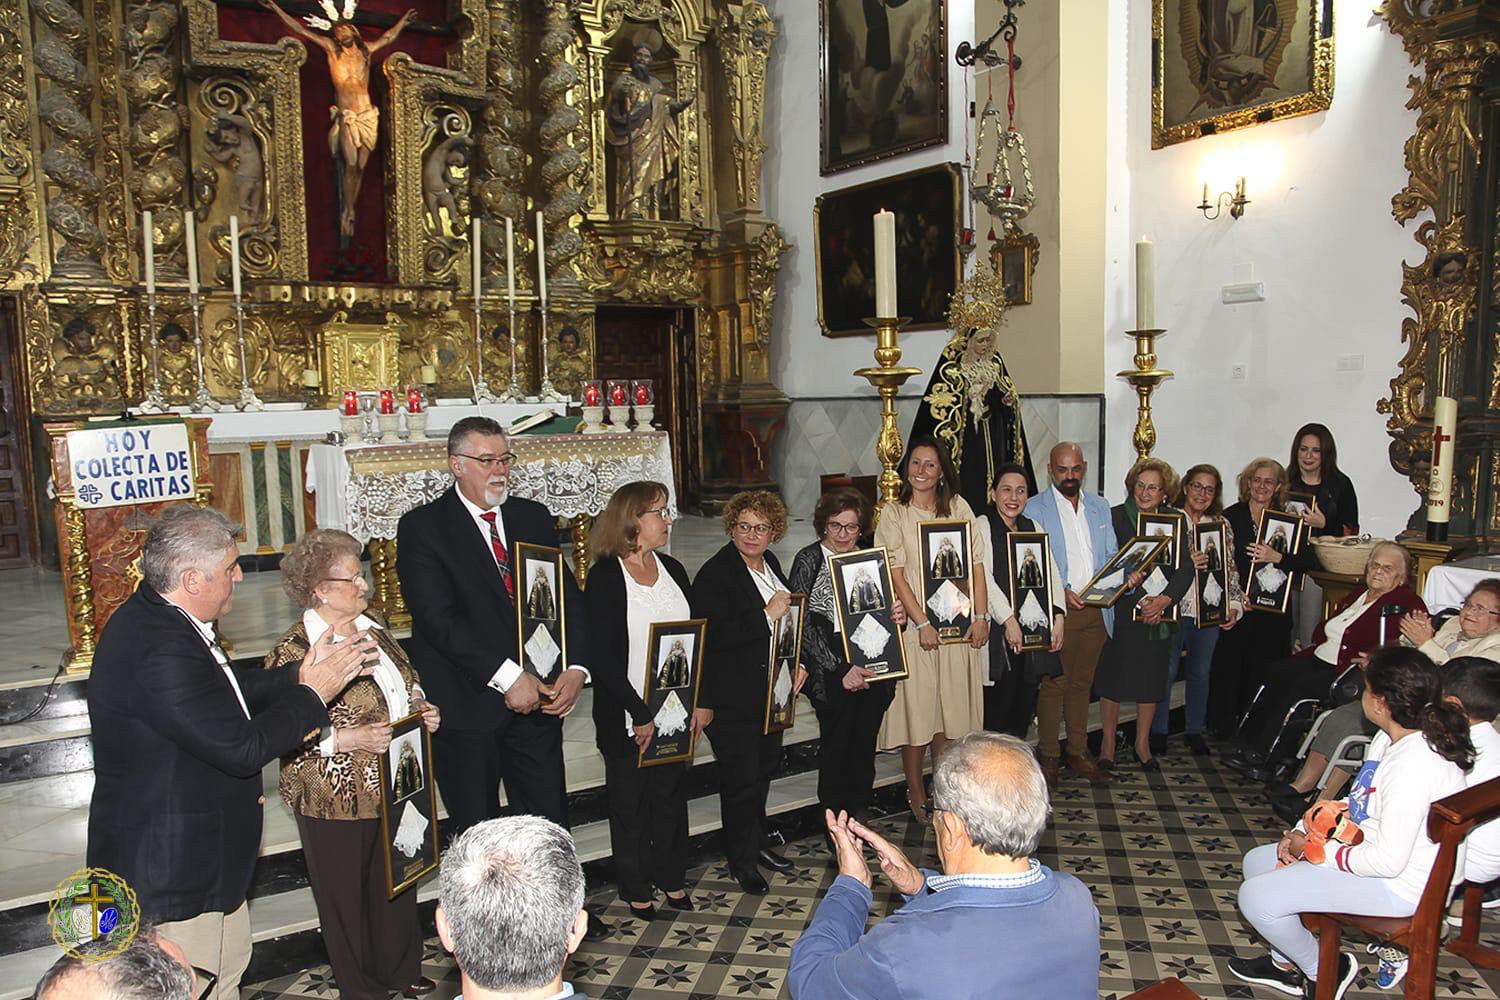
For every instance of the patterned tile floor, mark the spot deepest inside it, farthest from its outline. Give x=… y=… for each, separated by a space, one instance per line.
x=1161 y=855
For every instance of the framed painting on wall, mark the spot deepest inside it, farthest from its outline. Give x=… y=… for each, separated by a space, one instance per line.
x=883 y=80
x=928 y=266
x=1219 y=65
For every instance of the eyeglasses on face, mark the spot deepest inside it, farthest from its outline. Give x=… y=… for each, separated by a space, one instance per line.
x=356 y=580
x=840 y=528
x=1480 y=609
x=491 y=461
x=1147 y=487
x=662 y=512
x=746 y=528
x=1207 y=488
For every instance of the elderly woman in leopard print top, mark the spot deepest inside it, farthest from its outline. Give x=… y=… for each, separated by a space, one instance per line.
x=332 y=784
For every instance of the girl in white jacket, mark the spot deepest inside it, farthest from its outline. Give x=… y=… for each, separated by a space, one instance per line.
x=1418 y=757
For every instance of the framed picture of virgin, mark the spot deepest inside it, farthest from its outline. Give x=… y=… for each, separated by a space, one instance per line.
x=1219 y=65
x=1300 y=502
x=947 y=577
x=927 y=206
x=883 y=80
x=864 y=600
x=1113 y=579
x=408 y=805
x=785 y=654
x=543 y=639
x=1212 y=582
x=1031 y=587
x=674 y=663
x=1170 y=527
x=1270 y=586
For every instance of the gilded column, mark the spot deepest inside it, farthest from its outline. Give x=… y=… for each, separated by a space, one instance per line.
x=501 y=160
x=561 y=200
x=17 y=214
x=153 y=67
x=745 y=32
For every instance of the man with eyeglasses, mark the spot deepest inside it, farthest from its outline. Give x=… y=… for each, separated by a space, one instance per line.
x=455 y=559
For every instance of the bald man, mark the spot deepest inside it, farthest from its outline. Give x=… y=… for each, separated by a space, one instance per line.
x=1083 y=540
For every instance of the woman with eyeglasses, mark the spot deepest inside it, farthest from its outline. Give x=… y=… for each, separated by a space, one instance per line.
x=1198 y=499
x=631 y=585
x=333 y=786
x=742 y=593
x=941 y=697
x=1262 y=638
x=849 y=707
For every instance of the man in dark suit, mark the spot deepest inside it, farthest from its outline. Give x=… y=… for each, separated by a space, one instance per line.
x=455 y=558
x=180 y=738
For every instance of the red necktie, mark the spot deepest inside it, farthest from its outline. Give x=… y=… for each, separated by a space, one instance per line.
x=502 y=558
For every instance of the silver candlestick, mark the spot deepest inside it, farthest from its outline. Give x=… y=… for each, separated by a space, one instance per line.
x=549 y=393
x=512 y=393
x=202 y=398
x=248 y=399
x=482 y=391
x=155 y=401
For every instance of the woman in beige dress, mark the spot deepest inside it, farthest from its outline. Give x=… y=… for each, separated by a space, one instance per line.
x=941 y=699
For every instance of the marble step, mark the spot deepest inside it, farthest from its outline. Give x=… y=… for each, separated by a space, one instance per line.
x=287 y=913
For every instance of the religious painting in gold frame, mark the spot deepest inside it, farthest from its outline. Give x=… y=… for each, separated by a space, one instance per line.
x=882 y=80
x=1014 y=257
x=928 y=266
x=1219 y=65
x=359 y=355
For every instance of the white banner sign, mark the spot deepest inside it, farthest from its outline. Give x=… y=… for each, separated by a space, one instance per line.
x=116 y=466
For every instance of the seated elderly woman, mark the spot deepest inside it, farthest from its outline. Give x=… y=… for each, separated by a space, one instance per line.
x=1474 y=631
x=332 y=785
x=1367 y=618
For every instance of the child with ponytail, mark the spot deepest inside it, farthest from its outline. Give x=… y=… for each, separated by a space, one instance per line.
x=1418 y=756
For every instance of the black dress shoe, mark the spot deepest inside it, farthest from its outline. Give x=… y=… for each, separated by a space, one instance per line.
x=1284 y=790
x=683 y=902
x=1196 y=744
x=753 y=882
x=597 y=930
x=1261 y=773
x=770 y=859
x=1158 y=742
x=1151 y=764
x=647 y=912
x=420 y=988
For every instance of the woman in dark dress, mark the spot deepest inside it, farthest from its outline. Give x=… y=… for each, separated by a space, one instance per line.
x=1314 y=469
x=849 y=707
x=1262 y=637
x=742 y=593
x=1133 y=666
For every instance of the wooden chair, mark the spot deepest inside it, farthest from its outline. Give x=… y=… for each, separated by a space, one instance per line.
x=1167 y=989
x=1466 y=945
x=1448 y=823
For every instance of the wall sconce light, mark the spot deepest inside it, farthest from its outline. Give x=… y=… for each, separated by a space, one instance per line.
x=1237 y=201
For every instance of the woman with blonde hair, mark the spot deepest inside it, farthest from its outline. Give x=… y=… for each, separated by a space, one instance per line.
x=742 y=593
x=632 y=585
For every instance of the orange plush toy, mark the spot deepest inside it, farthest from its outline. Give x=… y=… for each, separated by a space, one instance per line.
x=1328 y=822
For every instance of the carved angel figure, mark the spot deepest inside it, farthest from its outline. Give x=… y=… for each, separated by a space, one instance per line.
x=232 y=142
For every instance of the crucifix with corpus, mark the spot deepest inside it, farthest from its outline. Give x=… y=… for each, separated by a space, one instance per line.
x=356 y=121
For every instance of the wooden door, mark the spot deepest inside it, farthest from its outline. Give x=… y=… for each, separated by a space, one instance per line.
x=15 y=507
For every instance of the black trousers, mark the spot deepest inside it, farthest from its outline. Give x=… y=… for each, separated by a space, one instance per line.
x=525 y=752
x=1241 y=657
x=1287 y=682
x=1010 y=702
x=747 y=759
x=648 y=826
x=374 y=943
x=848 y=723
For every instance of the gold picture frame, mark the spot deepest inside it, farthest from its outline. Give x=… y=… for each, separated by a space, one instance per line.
x=1211 y=76
x=539 y=580
x=784 y=655
x=1013 y=257
x=1111 y=582
x=408 y=862
x=359 y=355
x=678 y=745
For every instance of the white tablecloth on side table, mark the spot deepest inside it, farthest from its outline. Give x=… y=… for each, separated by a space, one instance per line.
x=1447 y=585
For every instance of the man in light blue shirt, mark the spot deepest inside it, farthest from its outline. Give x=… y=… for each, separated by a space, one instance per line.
x=991 y=809
x=510 y=908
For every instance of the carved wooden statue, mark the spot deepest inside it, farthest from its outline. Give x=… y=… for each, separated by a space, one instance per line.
x=642 y=128
x=232 y=142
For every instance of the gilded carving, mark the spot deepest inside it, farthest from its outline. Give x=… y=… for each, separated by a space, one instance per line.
x=75 y=352
x=58 y=54
x=745 y=32
x=17 y=221
x=113 y=214
x=80 y=588
x=499 y=157
x=649 y=269
x=561 y=200
x=221 y=349
x=159 y=172
x=765 y=262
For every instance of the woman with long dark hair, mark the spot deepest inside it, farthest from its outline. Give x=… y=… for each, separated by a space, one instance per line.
x=1313 y=468
x=1419 y=756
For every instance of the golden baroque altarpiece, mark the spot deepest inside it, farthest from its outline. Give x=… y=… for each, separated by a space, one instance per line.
x=108 y=108
x=1453 y=337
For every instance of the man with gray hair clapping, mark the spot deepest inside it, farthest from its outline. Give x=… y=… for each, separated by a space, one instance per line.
x=180 y=737
x=510 y=908
x=990 y=810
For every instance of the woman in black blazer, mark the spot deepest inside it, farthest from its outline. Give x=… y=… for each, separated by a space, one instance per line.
x=741 y=591
x=630 y=586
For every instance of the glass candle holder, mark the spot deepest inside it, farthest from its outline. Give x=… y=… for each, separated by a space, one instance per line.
x=351 y=403
x=642 y=393
x=593 y=393
x=618 y=392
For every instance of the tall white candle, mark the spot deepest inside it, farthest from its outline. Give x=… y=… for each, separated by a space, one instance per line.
x=541 y=259
x=234 y=254
x=148 y=251
x=476 y=247
x=510 y=261
x=885 y=264
x=192 y=250
x=1440 y=479
x=1145 y=285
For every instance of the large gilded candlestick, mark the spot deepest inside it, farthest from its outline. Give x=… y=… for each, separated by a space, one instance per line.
x=888 y=378
x=1145 y=376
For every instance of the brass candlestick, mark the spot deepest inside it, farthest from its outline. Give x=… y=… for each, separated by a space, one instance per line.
x=1145 y=376
x=888 y=379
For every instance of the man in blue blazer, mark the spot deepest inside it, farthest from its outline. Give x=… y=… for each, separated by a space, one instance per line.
x=990 y=810
x=1082 y=540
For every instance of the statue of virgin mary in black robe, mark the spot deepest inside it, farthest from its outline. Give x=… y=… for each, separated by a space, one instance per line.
x=971 y=405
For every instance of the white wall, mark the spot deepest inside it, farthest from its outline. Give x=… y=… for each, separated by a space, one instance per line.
x=1318 y=232
x=803 y=361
